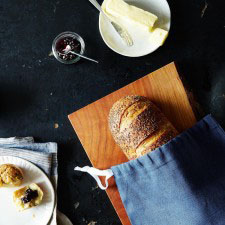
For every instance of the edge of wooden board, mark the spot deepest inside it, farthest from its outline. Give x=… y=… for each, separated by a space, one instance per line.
x=172 y=63
x=122 y=212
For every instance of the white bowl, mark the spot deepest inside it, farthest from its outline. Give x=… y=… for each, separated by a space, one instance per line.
x=141 y=37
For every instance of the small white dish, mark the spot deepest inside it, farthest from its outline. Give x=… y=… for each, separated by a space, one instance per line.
x=62 y=219
x=141 y=37
x=37 y=215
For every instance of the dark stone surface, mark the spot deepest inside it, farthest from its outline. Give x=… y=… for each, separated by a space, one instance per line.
x=36 y=91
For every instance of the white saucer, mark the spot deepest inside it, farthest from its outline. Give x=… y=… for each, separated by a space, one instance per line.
x=142 y=44
x=40 y=214
x=62 y=219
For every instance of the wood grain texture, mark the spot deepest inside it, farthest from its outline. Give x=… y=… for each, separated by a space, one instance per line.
x=163 y=87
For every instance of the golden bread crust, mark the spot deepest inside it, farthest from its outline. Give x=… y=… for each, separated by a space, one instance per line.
x=138 y=126
x=19 y=194
x=10 y=175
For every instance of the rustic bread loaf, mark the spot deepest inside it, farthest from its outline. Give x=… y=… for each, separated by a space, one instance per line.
x=138 y=126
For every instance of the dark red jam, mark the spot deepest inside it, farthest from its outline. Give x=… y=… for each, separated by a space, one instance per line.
x=61 y=45
x=29 y=195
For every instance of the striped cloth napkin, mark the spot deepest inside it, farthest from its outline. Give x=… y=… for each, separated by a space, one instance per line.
x=44 y=155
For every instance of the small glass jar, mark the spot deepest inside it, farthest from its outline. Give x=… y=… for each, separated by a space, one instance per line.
x=63 y=36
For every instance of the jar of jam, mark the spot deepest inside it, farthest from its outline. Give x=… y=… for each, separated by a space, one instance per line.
x=64 y=41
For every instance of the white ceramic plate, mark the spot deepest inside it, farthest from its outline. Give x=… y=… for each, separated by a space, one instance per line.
x=62 y=219
x=142 y=45
x=39 y=215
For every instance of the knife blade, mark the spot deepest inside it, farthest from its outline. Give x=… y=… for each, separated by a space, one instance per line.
x=120 y=30
x=123 y=33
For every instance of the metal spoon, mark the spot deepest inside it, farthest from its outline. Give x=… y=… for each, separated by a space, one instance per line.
x=120 y=30
x=68 y=50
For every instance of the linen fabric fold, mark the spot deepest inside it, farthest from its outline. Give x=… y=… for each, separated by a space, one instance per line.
x=181 y=182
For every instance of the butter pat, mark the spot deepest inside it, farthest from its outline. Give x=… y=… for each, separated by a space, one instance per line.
x=122 y=10
x=158 y=36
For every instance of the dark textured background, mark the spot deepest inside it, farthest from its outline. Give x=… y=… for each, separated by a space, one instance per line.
x=36 y=91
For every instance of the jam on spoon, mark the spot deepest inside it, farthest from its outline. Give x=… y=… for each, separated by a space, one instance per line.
x=61 y=45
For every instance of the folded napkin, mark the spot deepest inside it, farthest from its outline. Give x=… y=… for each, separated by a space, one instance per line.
x=44 y=155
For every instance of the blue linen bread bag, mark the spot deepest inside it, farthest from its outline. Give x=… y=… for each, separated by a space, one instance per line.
x=180 y=183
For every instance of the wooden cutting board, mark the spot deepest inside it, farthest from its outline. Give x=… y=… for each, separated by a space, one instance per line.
x=163 y=87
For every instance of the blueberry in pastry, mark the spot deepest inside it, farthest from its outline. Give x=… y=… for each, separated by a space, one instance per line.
x=28 y=197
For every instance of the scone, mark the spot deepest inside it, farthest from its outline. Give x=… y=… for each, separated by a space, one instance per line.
x=10 y=175
x=28 y=196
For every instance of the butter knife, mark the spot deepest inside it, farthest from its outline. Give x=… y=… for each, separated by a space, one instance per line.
x=120 y=30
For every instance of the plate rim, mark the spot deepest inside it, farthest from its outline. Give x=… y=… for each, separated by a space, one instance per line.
x=43 y=173
x=62 y=216
x=127 y=55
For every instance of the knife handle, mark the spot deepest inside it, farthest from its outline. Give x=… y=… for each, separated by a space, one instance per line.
x=97 y=6
x=121 y=31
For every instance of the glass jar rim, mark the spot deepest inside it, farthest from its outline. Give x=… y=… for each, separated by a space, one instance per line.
x=66 y=34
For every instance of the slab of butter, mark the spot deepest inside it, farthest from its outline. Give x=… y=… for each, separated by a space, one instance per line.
x=122 y=10
x=158 y=36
